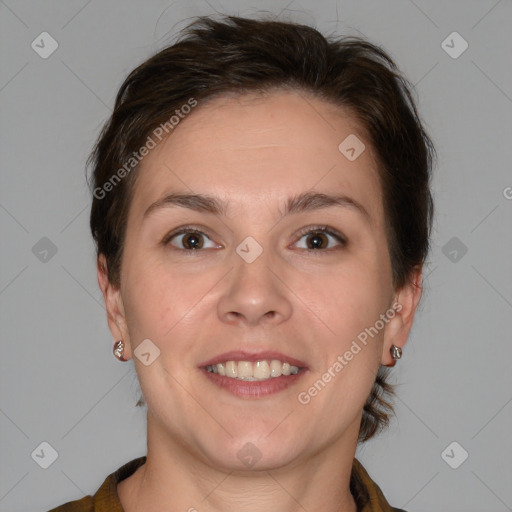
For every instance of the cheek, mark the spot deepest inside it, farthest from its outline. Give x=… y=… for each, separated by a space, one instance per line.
x=163 y=303
x=148 y=297
x=350 y=300
x=352 y=304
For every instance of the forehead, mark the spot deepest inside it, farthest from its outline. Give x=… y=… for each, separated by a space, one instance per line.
x=252 y=151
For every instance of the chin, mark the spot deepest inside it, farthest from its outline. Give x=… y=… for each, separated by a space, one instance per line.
x=251 y=452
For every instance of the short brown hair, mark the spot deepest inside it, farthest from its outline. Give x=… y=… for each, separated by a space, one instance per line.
x=239 y=55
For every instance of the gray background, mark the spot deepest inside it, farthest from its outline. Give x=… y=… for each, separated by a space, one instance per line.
x=59 y=380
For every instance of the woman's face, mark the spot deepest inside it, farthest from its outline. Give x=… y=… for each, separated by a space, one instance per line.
x=252 y=286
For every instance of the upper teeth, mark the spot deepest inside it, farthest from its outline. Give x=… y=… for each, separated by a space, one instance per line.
x=260 y=370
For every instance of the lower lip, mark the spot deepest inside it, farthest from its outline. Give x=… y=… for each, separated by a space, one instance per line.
x=253 y=388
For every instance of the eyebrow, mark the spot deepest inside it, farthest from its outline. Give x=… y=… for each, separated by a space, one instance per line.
x=304 y=202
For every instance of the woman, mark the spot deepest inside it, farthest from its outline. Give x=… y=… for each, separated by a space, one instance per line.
x=262 y=213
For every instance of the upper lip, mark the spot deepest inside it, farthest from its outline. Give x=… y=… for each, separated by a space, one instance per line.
x=252 y=356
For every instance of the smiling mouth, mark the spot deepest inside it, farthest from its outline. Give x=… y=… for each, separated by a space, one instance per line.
x=265 y=369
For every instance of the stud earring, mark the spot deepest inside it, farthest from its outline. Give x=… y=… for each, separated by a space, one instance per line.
x=396 y=352
x=118 y=350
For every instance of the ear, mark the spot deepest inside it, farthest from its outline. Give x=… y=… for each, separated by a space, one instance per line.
x=405 y=303
x=114 y=307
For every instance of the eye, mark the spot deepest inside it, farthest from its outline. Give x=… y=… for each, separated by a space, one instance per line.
x=318 y=236
x=189 y=239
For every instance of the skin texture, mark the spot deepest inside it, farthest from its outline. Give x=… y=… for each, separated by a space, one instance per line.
x=254 y=151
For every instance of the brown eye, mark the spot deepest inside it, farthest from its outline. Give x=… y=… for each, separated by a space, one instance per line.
x=320 y=237
x=316 y=240
x=187 y=239
x=192 y=241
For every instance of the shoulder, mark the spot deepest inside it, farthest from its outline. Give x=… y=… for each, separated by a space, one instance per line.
x=85 y=504
x=106 y=497
x=367 y=494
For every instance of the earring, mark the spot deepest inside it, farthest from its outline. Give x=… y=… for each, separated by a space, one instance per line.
x=396 y=352
x=118 y=350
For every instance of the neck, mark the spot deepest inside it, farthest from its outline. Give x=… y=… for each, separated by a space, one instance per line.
x=176 y=478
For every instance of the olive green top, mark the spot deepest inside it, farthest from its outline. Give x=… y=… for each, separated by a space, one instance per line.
x=366 y=492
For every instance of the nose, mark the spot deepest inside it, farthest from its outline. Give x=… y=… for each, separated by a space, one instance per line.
x=255 y=292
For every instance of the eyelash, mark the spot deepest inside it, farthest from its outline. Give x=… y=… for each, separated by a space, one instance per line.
x=306 y=231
